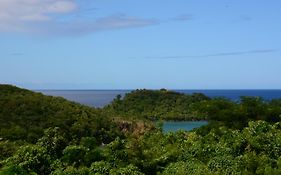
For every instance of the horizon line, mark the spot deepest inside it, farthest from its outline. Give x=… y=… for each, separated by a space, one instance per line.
x=153 y=89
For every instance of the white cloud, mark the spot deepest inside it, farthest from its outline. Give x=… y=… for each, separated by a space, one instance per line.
x=77 y=28
x=16 y=14
x=41 y=17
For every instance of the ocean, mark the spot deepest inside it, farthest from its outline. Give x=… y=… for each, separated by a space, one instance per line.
x=100 y=98
x=173 y=126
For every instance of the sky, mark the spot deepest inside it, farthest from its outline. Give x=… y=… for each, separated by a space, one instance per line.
x=130 y=44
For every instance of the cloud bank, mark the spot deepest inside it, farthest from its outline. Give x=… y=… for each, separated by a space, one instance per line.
x=113 y=22
x=17 y=15
x=43 y=17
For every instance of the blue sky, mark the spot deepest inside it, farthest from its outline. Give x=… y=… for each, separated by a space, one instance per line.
x=128 y=44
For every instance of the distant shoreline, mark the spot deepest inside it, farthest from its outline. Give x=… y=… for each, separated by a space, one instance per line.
x=101 y=98
x=155 y=89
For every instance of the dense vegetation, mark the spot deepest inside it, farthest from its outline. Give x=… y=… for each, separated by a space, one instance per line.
x=25 y=115
x=169 y=105
x=155 y=105
x=49 y=135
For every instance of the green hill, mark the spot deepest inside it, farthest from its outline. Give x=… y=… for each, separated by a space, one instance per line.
x=158 y=104
x=169 y=105
x=25 y=114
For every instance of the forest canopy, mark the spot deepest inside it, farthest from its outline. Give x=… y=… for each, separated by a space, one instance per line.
x=49 y=135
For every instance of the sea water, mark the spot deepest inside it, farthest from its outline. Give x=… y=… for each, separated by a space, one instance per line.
x=100 y=98
x=172 y=126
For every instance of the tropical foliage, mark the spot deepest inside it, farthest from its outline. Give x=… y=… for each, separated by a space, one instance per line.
x=49 y=135
x=155 y=105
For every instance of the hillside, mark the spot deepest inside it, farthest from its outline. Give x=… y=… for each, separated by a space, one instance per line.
x=158 y=104
x=25 y=114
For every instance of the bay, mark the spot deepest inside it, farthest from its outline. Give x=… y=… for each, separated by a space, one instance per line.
x=172 y=126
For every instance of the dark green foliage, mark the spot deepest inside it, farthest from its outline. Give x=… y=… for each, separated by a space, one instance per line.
x=155 y=105
x=238 y=114
x=128 y=170
x=14 y=170
x=71 y=171
x=7 y=148
x=24 y=115
x=50 y=124
x=74 y=155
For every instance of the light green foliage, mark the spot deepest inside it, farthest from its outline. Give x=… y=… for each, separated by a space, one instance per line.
x=71 y=171
x=184 y=168
x=32 y=158
x=100 y=168
x=128 y=170
x=53 y=141
x=114 y=152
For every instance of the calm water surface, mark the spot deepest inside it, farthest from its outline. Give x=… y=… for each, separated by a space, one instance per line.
x=93 y=98
x=172 y=126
